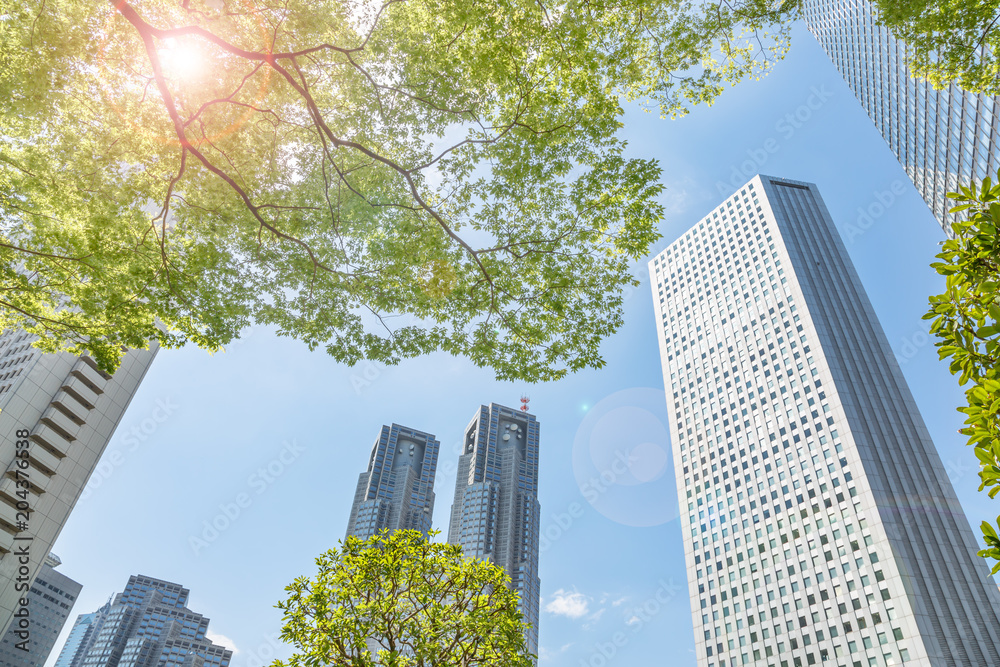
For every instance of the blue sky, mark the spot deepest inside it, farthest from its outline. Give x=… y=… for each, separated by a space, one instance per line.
x=202 y=430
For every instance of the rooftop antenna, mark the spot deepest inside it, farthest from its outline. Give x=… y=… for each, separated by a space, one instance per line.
x=524 y=403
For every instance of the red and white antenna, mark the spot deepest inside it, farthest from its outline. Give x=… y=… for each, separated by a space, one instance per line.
x=524 y=403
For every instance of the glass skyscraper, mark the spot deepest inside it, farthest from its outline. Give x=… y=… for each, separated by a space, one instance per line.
x=943 y=138
x=146 y=625
x=397 y=490
x=819 y=525
x=495 y=513
x=50 y=598
x=82 y=637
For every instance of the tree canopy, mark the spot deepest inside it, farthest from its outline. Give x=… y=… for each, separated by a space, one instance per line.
x=957 y=41
x=966 y=320
x=397 y=600
x=382 y=179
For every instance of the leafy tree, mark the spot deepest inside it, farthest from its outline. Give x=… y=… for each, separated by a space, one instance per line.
x=966 y=319
x=383 y=179
x=398 y=600
x=957 y=41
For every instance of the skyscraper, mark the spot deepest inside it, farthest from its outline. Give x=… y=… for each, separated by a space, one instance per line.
x=495 y=514
x=61 y=410
x=50 y=599
x=819 y=524
x=146 y=625
x=942 y=138
x=397 y=490
x=81 y=637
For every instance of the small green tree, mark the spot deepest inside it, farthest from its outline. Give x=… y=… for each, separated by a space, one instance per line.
x=966 y=319
x=957 y=41
x=399 y=600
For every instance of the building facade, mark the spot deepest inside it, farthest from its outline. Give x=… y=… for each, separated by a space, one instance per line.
x=81 y=637
x=62 y=411
x=944 y=138
x=146 y=625
x=397 y=490
x=50 y=599
x=495 y=514
x=819 y=524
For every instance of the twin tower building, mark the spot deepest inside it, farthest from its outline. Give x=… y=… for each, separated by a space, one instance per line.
x=495 y=513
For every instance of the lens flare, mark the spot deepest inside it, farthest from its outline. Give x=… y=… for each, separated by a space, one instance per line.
x=182 y=60
x=623 y=460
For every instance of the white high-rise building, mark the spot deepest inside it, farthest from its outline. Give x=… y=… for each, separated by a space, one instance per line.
x=943 y=138
x=819 y=525
x=61 y=410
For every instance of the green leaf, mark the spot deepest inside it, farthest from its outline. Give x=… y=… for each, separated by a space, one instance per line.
x=986 y=332
x=988 y=530
x=433 y=176
x=966 y=322
x=398 y=589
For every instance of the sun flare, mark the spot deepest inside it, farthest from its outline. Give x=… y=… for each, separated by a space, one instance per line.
x=182 y=59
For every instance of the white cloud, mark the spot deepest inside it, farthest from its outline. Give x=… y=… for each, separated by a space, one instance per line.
x=594 y=618
x=619 y=602
x=633 y=620
x=568 y=603
x=222 y=640
x=683 y=193
x=545 y=655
